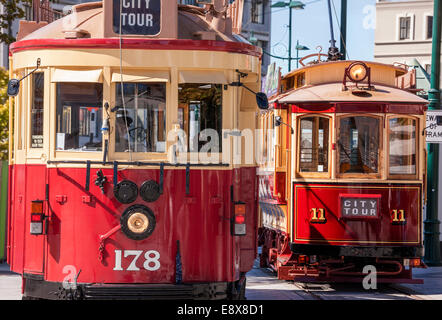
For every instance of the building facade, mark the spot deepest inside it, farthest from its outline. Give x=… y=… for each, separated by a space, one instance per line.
x=404 y=32
x=256 y=26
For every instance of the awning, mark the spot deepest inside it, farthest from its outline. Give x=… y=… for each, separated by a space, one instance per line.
x=212 y=77
x=63 y=75
x=141 y=76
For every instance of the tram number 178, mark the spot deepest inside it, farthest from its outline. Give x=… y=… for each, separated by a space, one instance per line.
x=151 y=260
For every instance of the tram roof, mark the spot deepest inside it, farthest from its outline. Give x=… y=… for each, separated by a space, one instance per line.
x=87 y=21
x=333 y=92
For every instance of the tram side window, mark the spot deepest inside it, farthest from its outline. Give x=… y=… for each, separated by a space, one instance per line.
x=200 y=115
x=402 y=139
x=359 y=145
x=79 y=116
x=313 y=146
x=37 y=110
x=142 y=118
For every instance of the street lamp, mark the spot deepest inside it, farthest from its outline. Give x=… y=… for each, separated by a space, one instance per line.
x=299 y=47
x=297 y=5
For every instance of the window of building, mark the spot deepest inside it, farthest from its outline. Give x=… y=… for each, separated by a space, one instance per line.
x=141 y=123
x=402 y=146
x=358 y=143
x=313 y=144
x=200 y=115
x=37 y=110
x=404 y=28
x=79 y=116
x=257 y=11
x=429 y=27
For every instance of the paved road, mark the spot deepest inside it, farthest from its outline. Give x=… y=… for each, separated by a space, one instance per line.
x=10 y=284
x=262 y=284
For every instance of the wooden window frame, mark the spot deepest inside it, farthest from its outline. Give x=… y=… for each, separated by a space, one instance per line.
x=414 y=176
x=381 y=157
x=325 y=174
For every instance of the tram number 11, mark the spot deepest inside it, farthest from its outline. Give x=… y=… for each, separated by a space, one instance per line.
x=151 y=260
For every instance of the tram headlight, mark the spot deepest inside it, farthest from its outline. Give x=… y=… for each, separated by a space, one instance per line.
x=138 y=222
x=357 y=72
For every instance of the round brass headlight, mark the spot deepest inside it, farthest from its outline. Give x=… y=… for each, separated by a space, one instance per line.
x=138 y=222
x=357 y=72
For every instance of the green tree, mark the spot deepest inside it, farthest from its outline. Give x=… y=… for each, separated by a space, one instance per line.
x=12 y=10
x=4 y=114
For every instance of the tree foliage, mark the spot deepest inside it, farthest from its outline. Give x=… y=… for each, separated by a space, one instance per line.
x=12 y=10
x=4 y=114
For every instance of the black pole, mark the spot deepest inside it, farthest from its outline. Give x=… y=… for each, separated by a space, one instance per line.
x=333 y=51
x=343 y=29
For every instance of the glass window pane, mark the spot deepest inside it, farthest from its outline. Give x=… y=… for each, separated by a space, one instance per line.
x=313 y=147
x=37 y=110
x=79 y=116
x=359 y=145
x=402 y=141
x=142 y=118
x=202 y=106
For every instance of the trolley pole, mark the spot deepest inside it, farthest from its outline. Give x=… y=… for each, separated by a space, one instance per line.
x=290 y=38
x=431 y=224
x=343 y=29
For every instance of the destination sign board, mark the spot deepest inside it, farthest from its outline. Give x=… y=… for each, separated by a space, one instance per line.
x=137 y=17
x=433 y=131
x=359 y=206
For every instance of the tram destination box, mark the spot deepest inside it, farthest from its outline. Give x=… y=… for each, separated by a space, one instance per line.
x=357 y=206
x=141 y=18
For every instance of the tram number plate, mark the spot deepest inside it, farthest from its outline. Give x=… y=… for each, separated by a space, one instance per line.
x=359 y=206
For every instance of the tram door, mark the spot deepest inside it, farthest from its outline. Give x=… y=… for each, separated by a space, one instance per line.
x=34 y=244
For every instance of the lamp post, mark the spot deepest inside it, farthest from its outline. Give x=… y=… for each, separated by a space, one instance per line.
x=431 y=224
x=297 y=5
x=299 y=47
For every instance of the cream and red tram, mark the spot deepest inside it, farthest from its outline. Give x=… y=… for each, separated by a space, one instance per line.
x=343 y=181
x=122 y=179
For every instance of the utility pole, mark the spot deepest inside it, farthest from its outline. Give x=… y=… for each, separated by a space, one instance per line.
x=343 y=29
x=431 y=224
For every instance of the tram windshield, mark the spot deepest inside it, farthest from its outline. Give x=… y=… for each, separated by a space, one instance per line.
x=402 y=146
x=141 y=120
x=79 y=116
x=313 y=145
x=358 y=143
x=200 y=115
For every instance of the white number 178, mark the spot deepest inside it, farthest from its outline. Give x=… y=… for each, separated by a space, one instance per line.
x=151 y=260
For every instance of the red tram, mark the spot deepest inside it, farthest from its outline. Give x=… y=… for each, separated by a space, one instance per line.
x=122 y=179
x=343 y=184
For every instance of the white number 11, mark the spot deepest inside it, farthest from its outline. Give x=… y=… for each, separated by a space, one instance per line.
x=151 y=263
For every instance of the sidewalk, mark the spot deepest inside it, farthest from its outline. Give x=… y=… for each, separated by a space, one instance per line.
x=10 y=285
x=431 y=289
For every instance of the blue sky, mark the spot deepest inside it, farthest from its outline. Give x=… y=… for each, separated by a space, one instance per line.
x=311 y=28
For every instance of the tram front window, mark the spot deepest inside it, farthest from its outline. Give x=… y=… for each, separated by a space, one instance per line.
x=200 y=115
x=358 y=143
x=313 y=147
x=79 y=116
x=141 y=119
x=402 y=138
